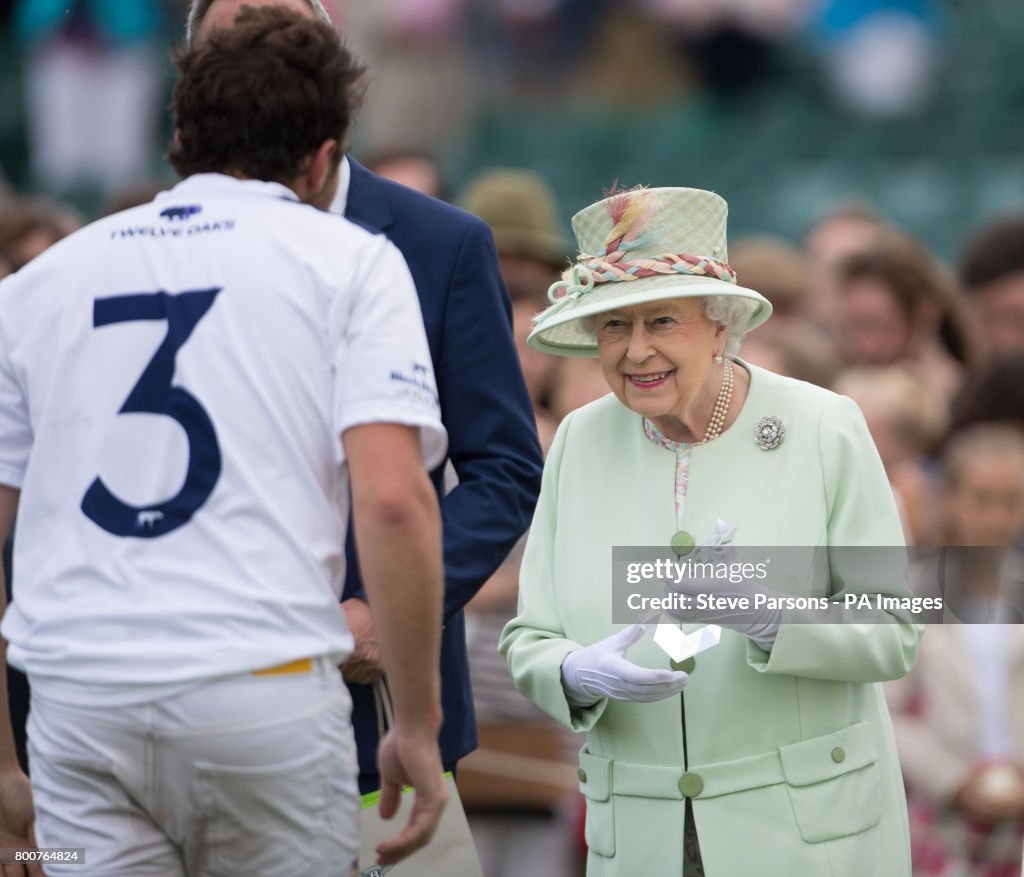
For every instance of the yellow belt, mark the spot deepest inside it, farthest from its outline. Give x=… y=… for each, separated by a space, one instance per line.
x=302 y=665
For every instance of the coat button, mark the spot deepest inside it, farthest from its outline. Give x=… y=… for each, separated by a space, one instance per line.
x=691 y=785
x=682 y=543
x=838 y=754
x=582 y=774
x=686 y=666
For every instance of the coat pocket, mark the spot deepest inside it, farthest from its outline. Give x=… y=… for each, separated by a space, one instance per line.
x=596 y=784
x=834 y=783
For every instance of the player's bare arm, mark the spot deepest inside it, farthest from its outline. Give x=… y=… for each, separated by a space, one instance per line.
x=398 y=533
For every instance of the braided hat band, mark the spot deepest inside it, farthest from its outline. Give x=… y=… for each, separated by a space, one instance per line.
x=607 y=269
x=614 y=269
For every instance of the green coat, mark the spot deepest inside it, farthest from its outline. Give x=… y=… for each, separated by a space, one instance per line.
x=794 y=750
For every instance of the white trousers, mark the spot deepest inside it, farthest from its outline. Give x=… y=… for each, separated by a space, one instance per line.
x=250 y=775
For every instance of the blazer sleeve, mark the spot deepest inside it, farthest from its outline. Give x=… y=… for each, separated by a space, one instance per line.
x=534 y=642
x=870 y=645
x=487 y=411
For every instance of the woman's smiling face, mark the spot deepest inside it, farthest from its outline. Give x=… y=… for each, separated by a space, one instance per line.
x=658 y=357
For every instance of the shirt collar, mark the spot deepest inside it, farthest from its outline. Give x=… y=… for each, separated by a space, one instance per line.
x=222 y=184
x=340 y=201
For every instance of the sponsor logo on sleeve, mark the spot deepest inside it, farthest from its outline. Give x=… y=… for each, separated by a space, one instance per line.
x=417 y=382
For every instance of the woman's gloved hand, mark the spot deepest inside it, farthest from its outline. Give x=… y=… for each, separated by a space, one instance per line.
x=735 y=604
x=601 y=670
x=736 y=607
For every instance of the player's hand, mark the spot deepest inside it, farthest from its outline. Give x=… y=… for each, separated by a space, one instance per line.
x=410 y=759
x=16 y=818
x=363 y=666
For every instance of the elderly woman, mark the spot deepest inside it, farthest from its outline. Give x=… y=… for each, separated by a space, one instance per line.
x=778 y=758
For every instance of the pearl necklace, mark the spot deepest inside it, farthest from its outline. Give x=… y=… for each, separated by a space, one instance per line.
x=721 y=404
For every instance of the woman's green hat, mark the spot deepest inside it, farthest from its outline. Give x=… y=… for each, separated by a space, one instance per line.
x=640 y=246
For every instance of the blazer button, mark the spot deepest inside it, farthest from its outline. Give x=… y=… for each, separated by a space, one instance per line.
x=686 y=666
x=582 y=774
x=838 y=754
x=691 y=785
x=682 y=543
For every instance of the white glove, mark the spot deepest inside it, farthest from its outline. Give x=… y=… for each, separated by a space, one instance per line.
x=601 y=670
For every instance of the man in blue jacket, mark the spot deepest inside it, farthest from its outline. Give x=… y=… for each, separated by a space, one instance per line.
x=484 y=406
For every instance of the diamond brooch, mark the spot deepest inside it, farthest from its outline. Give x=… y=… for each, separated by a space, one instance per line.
x=770 y=433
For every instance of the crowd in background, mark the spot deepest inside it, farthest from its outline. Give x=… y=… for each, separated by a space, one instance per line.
x=92 y=74
x=930 y=345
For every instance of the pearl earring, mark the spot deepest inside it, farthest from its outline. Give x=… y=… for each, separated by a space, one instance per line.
x=718 y=359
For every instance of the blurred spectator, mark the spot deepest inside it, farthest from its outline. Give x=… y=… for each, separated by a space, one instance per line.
x=516 y=786
x=992 y=273
x=906 y=420
x=423 y=90
x=417 y=170
x=520 y=208
x=896 y=306
x=842 y=232
x=802 y=352
x=28 y=226
x=959 y=714
x=779 y=271
x=732 y=44
x=994 y=395
x=790 y=344
x=984 y=476
x=530 y=45
x=92 y=77
x=880 y=53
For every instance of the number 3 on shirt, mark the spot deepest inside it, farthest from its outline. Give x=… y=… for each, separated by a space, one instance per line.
x=155 y=394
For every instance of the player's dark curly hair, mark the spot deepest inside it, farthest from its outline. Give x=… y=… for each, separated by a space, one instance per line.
x=258 y=97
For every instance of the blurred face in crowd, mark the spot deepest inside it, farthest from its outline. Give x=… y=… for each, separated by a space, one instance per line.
x=830 y=243
x=872 y=328
x=527 y=281
x=223 y=12
x=658 y=359
x=1000 y=309
x=414 y=171
x=986 y=501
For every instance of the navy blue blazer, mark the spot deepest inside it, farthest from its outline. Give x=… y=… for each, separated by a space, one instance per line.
x=492 y=437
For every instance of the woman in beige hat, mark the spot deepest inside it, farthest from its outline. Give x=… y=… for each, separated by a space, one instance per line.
x=772 y=752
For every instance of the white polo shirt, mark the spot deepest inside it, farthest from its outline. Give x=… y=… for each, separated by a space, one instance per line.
x=174 y=382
